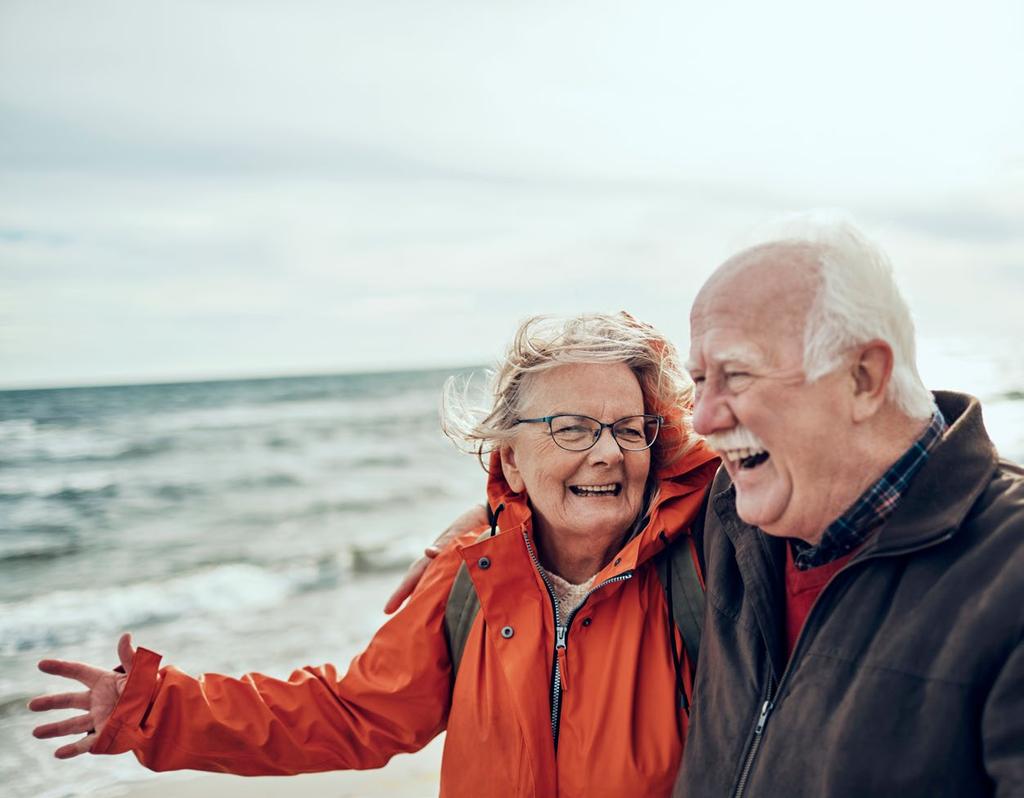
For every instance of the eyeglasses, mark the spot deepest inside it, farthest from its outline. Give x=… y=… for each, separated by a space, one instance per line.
x=579 y=433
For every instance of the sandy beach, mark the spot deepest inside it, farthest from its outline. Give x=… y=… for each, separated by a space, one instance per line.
x=408 y=776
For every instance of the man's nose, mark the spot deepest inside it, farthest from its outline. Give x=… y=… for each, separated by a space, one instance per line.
x=711 y=413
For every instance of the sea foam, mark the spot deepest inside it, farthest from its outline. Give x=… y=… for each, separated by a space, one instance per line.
x=75 y=615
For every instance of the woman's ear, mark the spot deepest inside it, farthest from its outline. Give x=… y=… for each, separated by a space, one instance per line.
x=509 y=468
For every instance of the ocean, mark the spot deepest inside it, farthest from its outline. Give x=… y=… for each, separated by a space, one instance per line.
x=241 y=525
x=231 y=526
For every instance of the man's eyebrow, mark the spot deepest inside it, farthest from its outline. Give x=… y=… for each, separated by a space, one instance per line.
x=743 y=354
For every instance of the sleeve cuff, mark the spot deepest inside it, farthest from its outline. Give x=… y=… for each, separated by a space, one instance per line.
x=117 y=734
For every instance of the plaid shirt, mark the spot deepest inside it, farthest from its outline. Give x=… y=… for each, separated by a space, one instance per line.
x=873 y=507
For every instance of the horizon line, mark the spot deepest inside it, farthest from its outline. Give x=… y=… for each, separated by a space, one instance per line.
x=132 y=382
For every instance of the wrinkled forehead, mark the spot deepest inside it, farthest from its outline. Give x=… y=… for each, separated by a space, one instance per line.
x=754 y=307
x=593 y=389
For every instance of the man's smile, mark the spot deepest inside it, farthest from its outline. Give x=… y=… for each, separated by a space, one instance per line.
x=747 y=458
x=739 y=446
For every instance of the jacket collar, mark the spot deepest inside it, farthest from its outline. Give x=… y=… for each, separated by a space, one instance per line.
x=936 y=503
x=760 y=560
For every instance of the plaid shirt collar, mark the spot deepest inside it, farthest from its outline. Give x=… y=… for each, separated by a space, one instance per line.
x=874 y=506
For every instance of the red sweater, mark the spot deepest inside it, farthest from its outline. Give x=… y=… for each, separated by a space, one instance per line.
x=802 y=588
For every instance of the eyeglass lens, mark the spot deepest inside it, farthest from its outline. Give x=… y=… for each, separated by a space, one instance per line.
x=577 y=433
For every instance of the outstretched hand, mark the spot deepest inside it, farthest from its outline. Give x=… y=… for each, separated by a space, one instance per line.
x=473 y=518
x=98 y=701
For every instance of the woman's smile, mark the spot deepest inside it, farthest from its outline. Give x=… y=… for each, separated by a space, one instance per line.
x=612 y=489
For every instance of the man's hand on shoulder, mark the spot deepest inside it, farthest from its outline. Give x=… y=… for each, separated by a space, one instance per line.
x=474 y=518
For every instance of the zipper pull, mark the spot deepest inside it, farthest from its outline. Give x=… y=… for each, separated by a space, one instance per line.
x=765 y=709
x=560 y=636
x=563 y=657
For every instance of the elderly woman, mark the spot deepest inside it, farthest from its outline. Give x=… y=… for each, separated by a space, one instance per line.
x=567 y=681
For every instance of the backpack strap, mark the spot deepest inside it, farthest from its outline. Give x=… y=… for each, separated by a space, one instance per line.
x=459 y=614
x=463 y=603
x=684 y=594
x=679 y=566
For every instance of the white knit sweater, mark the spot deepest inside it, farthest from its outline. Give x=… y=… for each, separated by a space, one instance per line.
x=569 y=595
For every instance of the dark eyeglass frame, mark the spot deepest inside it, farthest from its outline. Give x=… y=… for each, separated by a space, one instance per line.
x=601 y=427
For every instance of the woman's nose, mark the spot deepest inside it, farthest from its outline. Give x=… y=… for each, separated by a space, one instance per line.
x=607 y=449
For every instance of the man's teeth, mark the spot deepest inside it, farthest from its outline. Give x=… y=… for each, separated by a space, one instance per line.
x=595 y=490
x=739 y=455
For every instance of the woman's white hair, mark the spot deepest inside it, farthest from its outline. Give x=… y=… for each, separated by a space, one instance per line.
x=857 y=301
x=546 y=342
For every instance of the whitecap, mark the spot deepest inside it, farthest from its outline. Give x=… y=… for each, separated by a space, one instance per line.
x=72 y=616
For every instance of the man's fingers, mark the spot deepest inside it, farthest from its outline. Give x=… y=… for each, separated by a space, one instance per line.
x=407 y=585
x=474 y=517
x=125 y=652
x=75 y=725
x=86 y=674
x=74 y=749
x=59 y=701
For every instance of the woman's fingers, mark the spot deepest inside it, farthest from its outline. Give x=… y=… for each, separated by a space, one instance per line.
x=125 y=652
x=104 y=685
x=59 y=701
x=78 y=747
x=75 y=725
x=79 y=671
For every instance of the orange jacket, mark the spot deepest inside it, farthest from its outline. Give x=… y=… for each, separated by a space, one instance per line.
x=620 y=729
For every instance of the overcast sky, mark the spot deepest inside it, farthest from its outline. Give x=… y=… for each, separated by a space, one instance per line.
x=246 y=188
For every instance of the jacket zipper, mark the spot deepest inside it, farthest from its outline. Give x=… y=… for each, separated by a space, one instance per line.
x=769 y=703
x=562 y=634
x=755 y=743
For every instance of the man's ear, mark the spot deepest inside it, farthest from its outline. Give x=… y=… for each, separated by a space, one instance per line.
x=871 y=372
x=510 y=469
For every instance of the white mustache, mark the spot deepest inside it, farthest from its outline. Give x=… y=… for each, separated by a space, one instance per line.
x=736 y=438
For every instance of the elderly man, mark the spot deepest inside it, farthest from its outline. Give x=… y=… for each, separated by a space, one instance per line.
x=864 y=545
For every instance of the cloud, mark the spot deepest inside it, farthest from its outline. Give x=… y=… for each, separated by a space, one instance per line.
x=963 y=223
x=266 y=186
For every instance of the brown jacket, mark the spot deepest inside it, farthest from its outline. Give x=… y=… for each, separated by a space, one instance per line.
x=908 y=677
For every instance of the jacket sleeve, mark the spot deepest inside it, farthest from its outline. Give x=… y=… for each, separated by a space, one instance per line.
x=394 y=698
x=1002 y=726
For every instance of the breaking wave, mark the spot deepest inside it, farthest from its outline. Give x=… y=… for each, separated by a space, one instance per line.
x=76 y=615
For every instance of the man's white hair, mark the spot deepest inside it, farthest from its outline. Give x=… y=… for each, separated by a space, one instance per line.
x=857 y=301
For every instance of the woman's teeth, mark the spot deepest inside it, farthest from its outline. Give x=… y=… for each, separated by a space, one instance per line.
x=596 y=490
